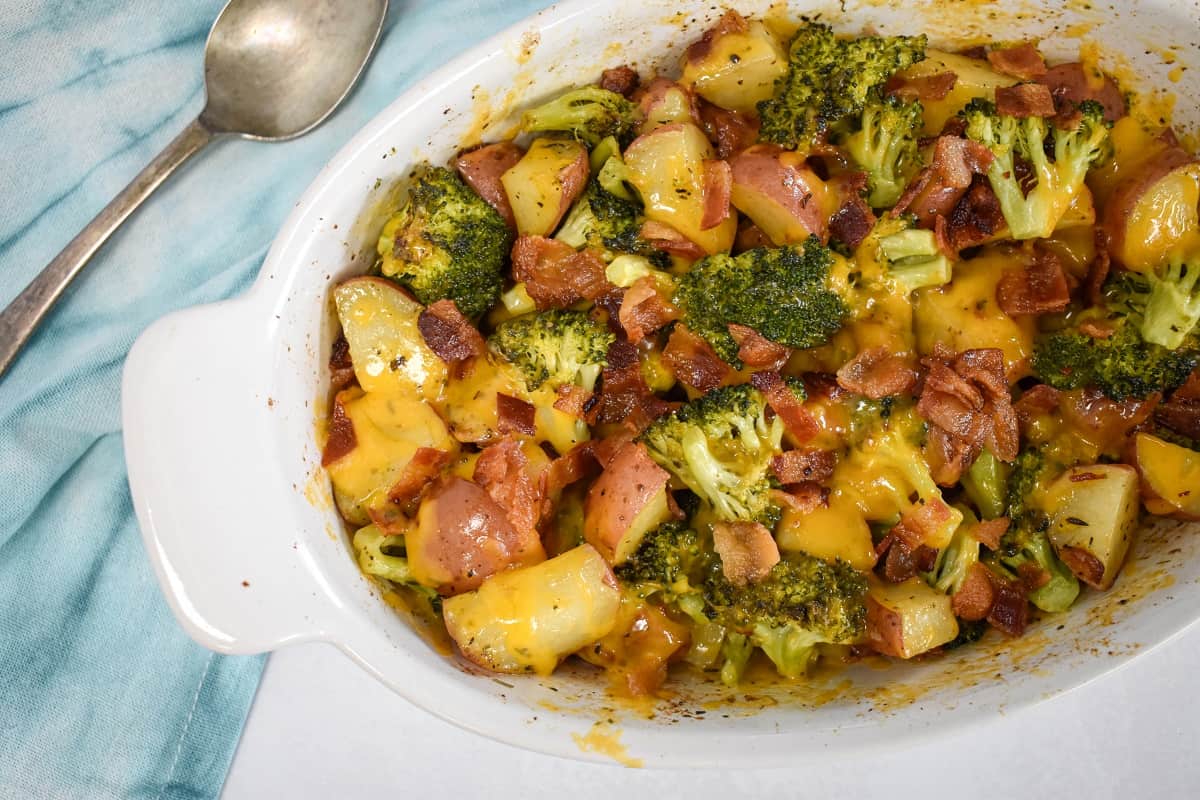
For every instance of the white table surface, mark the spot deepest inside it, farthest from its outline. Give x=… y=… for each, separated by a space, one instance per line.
x=320 y=727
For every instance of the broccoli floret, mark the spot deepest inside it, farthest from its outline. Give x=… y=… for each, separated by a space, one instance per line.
x=986 y=484
x=588 y=113
x=829 y=79
x=1035 y=214
x=446 y=242
x=666 y=563
x=912 y=256
x=604 y=221
x=736 y=651
x=886 y=147
x=720 y=446
x=555 y=347
x=955 y=559
x=1025 y=552
x=1031 y=471
x=1172 y=307
x=804 y=601
x=784 y=293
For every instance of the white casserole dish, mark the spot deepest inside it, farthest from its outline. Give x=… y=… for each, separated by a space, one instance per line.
x=222 y=405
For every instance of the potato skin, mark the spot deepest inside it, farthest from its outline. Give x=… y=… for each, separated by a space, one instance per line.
x=625 y=502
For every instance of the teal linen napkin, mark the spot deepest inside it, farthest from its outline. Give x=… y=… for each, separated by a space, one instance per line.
x=101 y=693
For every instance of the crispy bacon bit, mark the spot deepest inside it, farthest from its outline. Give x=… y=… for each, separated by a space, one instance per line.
x=756 y=350
x=1039 y=288
x=426 y=464
x=852 y=221
x=730 y=131
x=1097 y=328
x=514 y=415
x=1025 y=100
x=747 y=551
x=989 y=531
x=1190 y=389
x=718 y=184
x=1010 y=609
x=555 y=275
x=966 y=402
x=341 y=368
x=1181 y=416
x=903 y=562
x=481 y=169
x=976 y=218
x=622 y=80
x=1093 y=288
x=975 y=596
x=801 y=466
x=1071 y=84
x=802 y=498
x=730 y=22
x=878 y=373
x=1023 y=61
x=578 y=463
x=937 y=188
x=1106 y=423
x=503 y=471
x=925 y=88
x=644 y=309
x=342 y=438
x=663 y=237
x=624 y=396
x=572 y=399
x=921 y=523
x=783 y=401
x=1085 y=565
x=1036 y=402
x=693 y=361
x=448 y=333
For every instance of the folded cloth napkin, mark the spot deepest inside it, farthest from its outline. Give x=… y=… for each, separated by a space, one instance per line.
x=101 y=693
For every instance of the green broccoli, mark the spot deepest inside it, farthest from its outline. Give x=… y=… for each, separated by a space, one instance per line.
x=829 y=79
x=784 y=293
x=886 y=147
x=720 y=446
x=1035 y=213
x=1025 y=550
x=804 y=601
x=588 y=113
x=985 y=484
x=603 y=221
x=446 y=242
x=555 y=347
x=1172 y=308
x=1031 y=471
x=668 y=564
x=955 y=559
x=912 y=256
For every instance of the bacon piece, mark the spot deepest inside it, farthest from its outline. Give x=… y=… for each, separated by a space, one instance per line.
x=514 y=415
x=1023 y=61
x=342 y=439
x=1025 y=100
x=922 y=523
x=937 y=188
x=902 y=562
x=1098 y=328
x=756 y=350
x=503 y=471
x=730 y=131
x=341 y=368
x=623 y=80
x=644 y=309
x=572 y=399
x=448 y=333
x=783 y=401
x=1190 y=389
x=425 y=465
x=1071 y=84
x=624 y=396
x=663 y=237
x=1010 y=609
x=1181 y=416
x=747 y=551
x=1039 y=288
x=577 y=464
x=717 y=186
x=1102 y=421
x=975 y=219
x=989 y=531
x=925 y=88
x=1037 y=401
x=853 y=220
x=878 y=373
x=693 y=361
x=800 y=466
x=975 y=596
x=1093 y=287
x=481 y=169
x=803 y=498
x=555 y=275
x=966 y=402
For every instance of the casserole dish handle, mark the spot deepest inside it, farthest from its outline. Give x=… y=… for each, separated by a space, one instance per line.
x=219 y=526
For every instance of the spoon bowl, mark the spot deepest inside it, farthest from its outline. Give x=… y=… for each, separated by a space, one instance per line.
x=275 y=69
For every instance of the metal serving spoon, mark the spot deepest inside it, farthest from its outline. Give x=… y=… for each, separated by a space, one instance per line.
x=273 y=70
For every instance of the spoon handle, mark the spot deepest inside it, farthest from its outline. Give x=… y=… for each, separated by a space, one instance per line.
x=18 y=321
